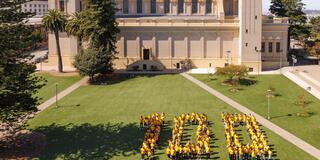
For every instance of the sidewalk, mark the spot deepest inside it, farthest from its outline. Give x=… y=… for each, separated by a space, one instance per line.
x=273 y=127
x=62 y=94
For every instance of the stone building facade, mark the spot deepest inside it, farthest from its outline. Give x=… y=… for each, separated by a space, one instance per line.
x=163 y=34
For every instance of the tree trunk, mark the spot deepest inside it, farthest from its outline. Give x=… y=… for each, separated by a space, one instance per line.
x=60 y=66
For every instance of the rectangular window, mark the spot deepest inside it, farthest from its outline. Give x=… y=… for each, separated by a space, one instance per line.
x=263 y=47
x=270 y=47
x=194 y=6
x=166 y=6
x=61 y=5
x=209 y=6
x=30 y=5
x=125 y=6
x=153 y=6
x=25 y=5
x=278 y=47
x=180 y=6
x=139 y=6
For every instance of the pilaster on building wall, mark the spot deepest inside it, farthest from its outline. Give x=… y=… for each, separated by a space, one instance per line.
x=211 y=33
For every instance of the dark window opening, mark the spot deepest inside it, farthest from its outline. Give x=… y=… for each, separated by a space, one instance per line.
x=125 y=6
x=250 y=69
x=194 y=6
x=180 y=6
x=178 y=65
x=139 y=6
x=153 y=6
x=209 y=6
x=166 y=6
x=270 y=47
x=61 y=5
x=278 y=47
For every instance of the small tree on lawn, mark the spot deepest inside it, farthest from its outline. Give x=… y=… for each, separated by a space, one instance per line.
x=55 y=22
x=302 y=102
x=234 y=73
x=90 y=62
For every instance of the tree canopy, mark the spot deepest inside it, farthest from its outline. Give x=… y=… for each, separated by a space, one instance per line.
x=293 y=9
x=18 y=82
x=97 y=28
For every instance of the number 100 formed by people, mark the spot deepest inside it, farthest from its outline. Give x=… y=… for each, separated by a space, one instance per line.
x=180 y=146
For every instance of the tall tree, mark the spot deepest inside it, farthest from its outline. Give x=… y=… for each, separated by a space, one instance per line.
x=18 y=83
x=293 y=9
x=96 y=25
x=55 y=22
x=315 y=25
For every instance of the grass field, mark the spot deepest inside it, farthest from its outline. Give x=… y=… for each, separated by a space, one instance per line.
x=101 y=122
x=283 y=107
x=48 y=90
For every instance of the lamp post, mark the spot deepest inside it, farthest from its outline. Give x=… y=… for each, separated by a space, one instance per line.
x=281 y=60
x=259 y=58
x=269 y=96
x=56 y=94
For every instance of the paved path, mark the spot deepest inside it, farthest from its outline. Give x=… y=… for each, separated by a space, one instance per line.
x=273 y=127
x=306 y=77
x=62 y=94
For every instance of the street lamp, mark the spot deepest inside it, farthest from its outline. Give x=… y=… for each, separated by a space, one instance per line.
x=259 y=57
x=269 y=96
x=56 y=94
x=281 y=60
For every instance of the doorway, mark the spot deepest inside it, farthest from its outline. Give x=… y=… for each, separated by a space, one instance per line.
x=146 y=54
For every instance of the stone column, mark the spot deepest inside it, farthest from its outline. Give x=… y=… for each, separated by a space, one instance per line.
x=188 y=7
x=132 y=6
x=119 y=5
x=174 y=7
x=220 y=5
x=146 y=6
x=202 y=7
x=160 y=6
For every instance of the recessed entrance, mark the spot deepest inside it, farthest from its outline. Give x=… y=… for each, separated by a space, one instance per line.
x=146 y=54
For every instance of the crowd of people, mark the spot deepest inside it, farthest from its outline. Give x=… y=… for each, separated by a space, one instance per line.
x=258 y=149
x=202 y=146
x=153 y=125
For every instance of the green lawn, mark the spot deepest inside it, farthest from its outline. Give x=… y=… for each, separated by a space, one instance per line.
x=48 y=90
x=96 y=122
x=283 y=107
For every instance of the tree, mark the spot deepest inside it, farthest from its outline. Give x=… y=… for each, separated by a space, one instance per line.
x=302 y=102
x=293 y=9
x=235 y=73
x=315 y=27
x=18 y=83
x=55 y=22
x=90 y=62
x=96 y=25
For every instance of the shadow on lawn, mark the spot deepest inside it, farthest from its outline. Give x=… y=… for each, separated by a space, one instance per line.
x=87 y=141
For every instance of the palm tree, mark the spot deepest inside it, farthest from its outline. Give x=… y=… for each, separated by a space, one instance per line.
x=55 y=22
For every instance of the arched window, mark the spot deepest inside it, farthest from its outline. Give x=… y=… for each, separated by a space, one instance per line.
x=180 y=6
x=208 y=6
x=166 y=6
x=194 y=6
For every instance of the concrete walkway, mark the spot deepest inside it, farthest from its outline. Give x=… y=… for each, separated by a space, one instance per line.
x=306 y=77
x=273 y=127
x=62 y=94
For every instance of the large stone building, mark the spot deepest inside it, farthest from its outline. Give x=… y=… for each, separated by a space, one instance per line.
x=38 y=7
x=158 y=34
